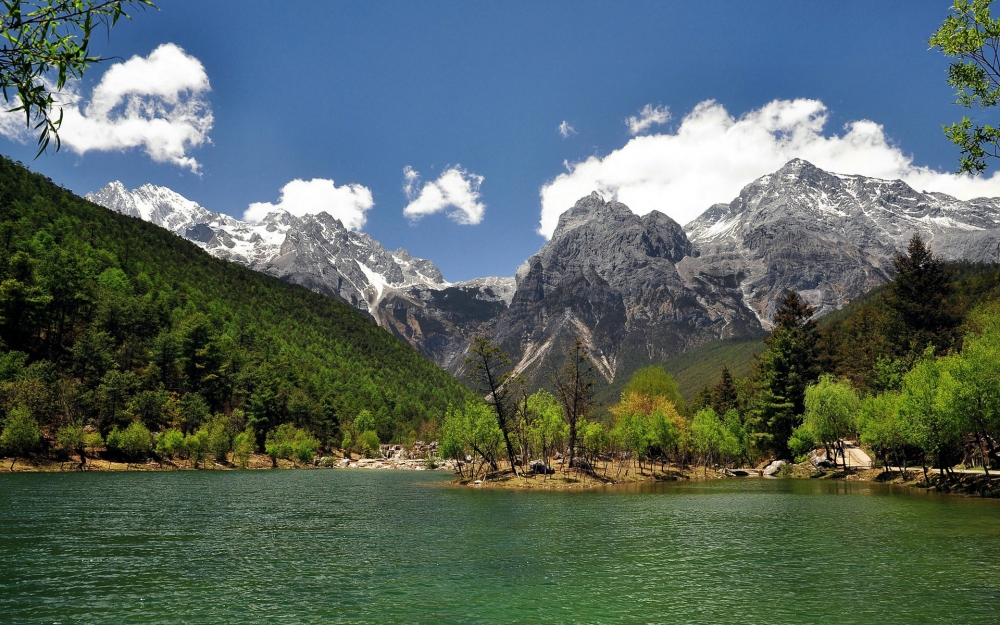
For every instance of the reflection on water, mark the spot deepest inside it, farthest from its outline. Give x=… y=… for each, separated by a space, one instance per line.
x=390 y=547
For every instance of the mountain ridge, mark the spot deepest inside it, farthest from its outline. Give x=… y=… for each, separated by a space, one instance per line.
x=637 y=289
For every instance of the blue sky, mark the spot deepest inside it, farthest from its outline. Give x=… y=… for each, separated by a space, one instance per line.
x=356 y=92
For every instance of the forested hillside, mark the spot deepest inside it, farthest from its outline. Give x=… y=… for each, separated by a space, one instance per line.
x=106 y=320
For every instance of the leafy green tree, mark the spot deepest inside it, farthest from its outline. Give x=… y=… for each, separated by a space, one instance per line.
x=365 y=421
x=654 y=381
x=830 y=408
x=72 y=439
x=972 y=36
x=712 y=439
x=46 y=37
x=665 y=428
x=306 y=447
x=489 y=371
x=575 y=389
x=802 y=442
x=170 y=443
x=926 y=422
x=596 y=439
x=881 y=429
x=971 y=394
x=20 y=435
x=471 y=431
x=631 y=432
x=135 y=442
x=290 y=443
x=244 y=445
x=197 y=447
x=548 y=431
x=655 y=419
x=369 y=443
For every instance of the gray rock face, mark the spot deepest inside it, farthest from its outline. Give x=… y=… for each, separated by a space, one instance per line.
x=610 y=277
x=831 y=237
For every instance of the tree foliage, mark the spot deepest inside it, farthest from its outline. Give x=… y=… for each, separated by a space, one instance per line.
x=45 y=44
x=106 y=320
x=972 y=36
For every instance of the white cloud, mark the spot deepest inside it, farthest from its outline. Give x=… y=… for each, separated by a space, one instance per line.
x=347 y=203
x=455 y=187
x=566 y=130
x=648 y=117
x=712 y=156
x=156 y=103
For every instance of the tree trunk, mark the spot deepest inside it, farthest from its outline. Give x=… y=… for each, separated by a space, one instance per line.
x=510 y=451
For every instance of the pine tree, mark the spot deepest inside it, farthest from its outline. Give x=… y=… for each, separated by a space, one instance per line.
x=784 y=371
x=919 y=299
x=724 y=393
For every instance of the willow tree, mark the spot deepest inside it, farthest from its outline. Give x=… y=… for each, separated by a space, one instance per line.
x=46 y=43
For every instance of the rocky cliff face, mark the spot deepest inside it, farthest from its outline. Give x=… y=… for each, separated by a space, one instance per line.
x=610 y=277
x=831 y=237
x=319 y=253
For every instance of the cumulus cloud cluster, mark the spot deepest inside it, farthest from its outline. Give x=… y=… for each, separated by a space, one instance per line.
x=648 y=117
x=156 y=103
x=712 y=155
x=455 y=188
x=347 y=203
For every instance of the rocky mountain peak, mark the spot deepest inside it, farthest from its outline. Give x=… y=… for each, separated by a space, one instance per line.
x=590 y=209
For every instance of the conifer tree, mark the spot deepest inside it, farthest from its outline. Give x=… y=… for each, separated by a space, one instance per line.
x=784 y=371
x=919 y=299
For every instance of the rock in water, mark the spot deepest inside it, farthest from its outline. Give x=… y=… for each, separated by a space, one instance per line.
x=774 y=467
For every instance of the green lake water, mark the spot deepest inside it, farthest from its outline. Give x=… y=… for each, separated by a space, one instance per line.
x=399 y=547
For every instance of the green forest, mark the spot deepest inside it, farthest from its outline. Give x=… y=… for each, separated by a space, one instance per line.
x=911 y=371
x=116 y=332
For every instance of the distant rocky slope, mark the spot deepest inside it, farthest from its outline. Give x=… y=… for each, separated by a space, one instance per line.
x=610 y=277
x=831 y=237
x=318 y=252
x=636 y=289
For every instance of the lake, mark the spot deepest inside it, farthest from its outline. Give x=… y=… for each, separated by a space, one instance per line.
x=400 y=547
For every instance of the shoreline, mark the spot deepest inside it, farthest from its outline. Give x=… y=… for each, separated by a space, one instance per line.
x=258 y=462
x=971 y=484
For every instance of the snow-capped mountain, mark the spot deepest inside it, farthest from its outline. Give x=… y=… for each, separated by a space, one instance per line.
x=315 y=251
x=637 y=289
x=831 y=237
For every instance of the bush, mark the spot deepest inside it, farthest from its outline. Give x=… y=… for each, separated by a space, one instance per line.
x=170 y=443
x=114 y=440
x=136 y=441
x=20 y=434
x=218 y=439
x=196 y=445
x=244 y=445
x=369 y=443
x=801 y=443
x=290 y=443
x=70 y=438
